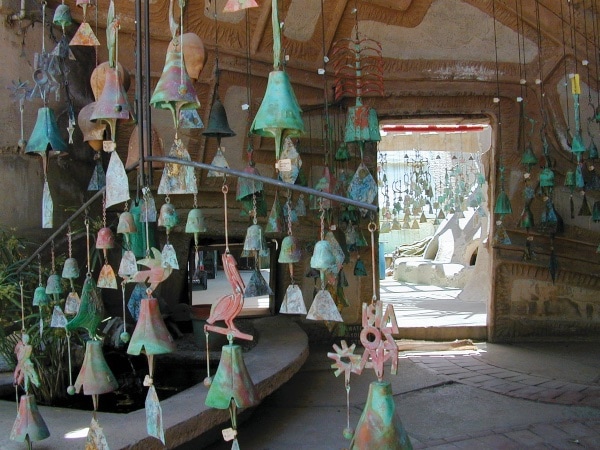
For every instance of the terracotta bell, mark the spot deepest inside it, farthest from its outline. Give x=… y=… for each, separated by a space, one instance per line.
x=112 y=104
x=175 y=90
x=45 y=136
x=93 y=132
x=194 y=53
x=290 y=250
x=150 y=334
x=133 y=150
x=323 y=257
x=98 y=78
x=70 y=269
x=218 y=126
x=362 y=124
x=105 y=238
x=231 y=381
x=29 y=424
x=279 y=114
x=95 y=377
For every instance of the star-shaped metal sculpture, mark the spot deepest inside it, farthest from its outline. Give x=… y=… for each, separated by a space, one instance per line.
x=345 y=360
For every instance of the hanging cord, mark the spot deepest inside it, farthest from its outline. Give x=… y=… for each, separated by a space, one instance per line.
x=372 y=227
x=87 y=239
x=289 y=229
x=566 y=83
x=497 y=99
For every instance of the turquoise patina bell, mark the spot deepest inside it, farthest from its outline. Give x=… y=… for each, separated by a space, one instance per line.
x=279 y=114
x=254 y=238
x=168 y=217
x=53 y=285
x=526 y=218
x=546 y=177
x=596 y=211
x=70 y=269
x=362 y=124
x=195 y=221
x=323 y=257
x=570 y=178
x=528 y=158
x=40 y=297
x=62 y=16
x=290 y=252
x=502 y=207
x=150 y=335
x=45 y=136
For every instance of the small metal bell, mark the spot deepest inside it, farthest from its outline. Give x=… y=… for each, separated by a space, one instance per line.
x=40 y=297
x=98 y=178
x=218 y=126
x=29 y=424
x=106 y=278
x=62 y=16
x=175 y=90
x=359 y=268
x=290 y=252
x=323 y=257
x=592 y=149
x=231 y=381
x=85 y=36
x=246 y=186
x=72 y=303
x=195 y=222
x=126 y=223
x=526 y=218
x=169 y=257
x=570 y=178
x=45 y=136
x=584 y=210
x=293 y=301
x=70 y=269
x=275 y=219
x=502 y=205
x=58 y=319
x=362 y=124
x=95 y=377
x=279 y=114
x=53 y=285
x=105 y=238
x=150 y=335
x=254 y=238
x=546 y=177
x=379 y=425
x=528 y=158
x=168 y=217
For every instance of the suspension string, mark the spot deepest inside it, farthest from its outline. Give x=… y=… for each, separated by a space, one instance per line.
x=372 y=227
x=22 y=307
x=87 y=239
x=225 y=189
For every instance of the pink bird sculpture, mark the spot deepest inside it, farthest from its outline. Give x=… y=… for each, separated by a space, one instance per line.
x=157 y=272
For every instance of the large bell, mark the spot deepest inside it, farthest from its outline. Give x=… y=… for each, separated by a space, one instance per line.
x=254 y=238
x=379 y=426
x=105 y=238
x=290 y=252
x=218 y=126
x=231 y=381
x=112 y=104
x=70 y=269
x=323 y=257
x=195 y=221
x=95 y=376
x=362 y=124
x=29 y=424
x=168 y=217
x=150 y=334
x=175 y=90
x=279 y=114
x=93 y=132
x=45 y=136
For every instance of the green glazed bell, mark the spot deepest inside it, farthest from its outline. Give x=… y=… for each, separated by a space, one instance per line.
x=62 y=16
x=40 y=297
x=53 y=285
x=150 y=335
x=362 y=125
x=279 y=114
x=323 y=257
x=290 y=250
x=529 y=159
x=359 y=268
x=546 y=177
x=45 y=136
x=218 y=126
x=502 y=204
x=70 y=269
x=168 y=217
x=195 y=221
x=593 y=150
x=175 y=90
x=577 y=145
x=526 y=218
x=254 y=238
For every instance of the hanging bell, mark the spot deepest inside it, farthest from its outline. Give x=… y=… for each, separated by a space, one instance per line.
x=528 y=158
x=254 y=238
x=84 y=35
x=169 y=257
x=502 y=204
x=257 y=285
x=293 y=302
x=592 y=149
x=577 y=145
x=231 y=381
x=246 y=187
x=40 y=297
x=275 y=219
x=45 y=136
x=95 y=377
x=126 y=223
x=62 y=16
x=168 y=217
x=105 y=238
x=323 y=257
x=106 y=278
x=290 y=252
x=570 y=178
x=150 y=335
x=359 y=268
x=237 y=5
x=29 y=424
x=58 y=319
x=324 y=308
x=290 y=172
x=178 y=178
x=133 y=148
x=526 y=218
x=362 y=124
x=53 y=285
x=128 y=264
x=194 y=54
x=379 y=426
x=175 y=90
x=91 y=309
x=596 y=211
x=584 y=210
x=279 y=114
x=342 y=153
x=546 y=178
x=218 y=126
x=98 y=178
x=93 y=132
x=70 y=269
x=135 y=300
x=112 y=105
x=195 y=222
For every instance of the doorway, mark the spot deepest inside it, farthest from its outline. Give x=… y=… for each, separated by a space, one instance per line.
x=434 y=226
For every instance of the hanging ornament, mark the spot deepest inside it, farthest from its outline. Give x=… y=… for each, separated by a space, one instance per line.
x=290 y=253
x=178 y=178
x=274 y=221
x=325 y=184
x=157 y=272
x=238 y=5
x=289 y=165
x=135 y=299
x=300 y=206
x=127 y=227
x=71 y=272
x=168 y=218
x=84 y=34
x=247 y=187
x=363 y=186
x=104 y=241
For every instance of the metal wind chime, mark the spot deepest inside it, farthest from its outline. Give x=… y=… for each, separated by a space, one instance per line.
x=379 y=425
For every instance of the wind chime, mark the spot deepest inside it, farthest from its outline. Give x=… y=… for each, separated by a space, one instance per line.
x=112 y=105
x=29 y=425
x=84 y=34
x=45 y=139
x=105 y=241
x=232 y=387
x=379 y=425
x=71 y=272
x=290 y=253
x=95 y=377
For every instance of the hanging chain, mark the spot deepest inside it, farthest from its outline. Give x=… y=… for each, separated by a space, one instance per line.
x=69 y=240
x=372 y=227
x=254 y=212
x=52 y=255
x=39 y=269
x=322 y=214
x=104 y=209
x=289 y=215
x=87 y=240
